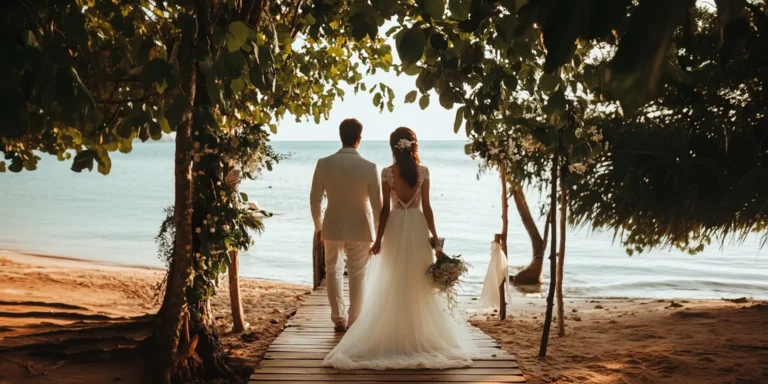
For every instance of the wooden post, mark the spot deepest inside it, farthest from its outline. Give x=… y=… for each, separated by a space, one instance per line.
x=561 y=252
x=552 y=257
x=318 y=261
x=503 y=238
x=238 y=320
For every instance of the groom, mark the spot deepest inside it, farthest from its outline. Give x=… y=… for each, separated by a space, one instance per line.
x=351 y=185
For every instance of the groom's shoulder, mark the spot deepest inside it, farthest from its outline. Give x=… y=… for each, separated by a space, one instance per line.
x=367 y=162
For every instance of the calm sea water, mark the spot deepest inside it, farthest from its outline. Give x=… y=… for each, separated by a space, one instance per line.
x=114 y=218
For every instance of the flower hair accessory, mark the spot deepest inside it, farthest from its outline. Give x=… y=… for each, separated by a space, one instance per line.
x=404 y=144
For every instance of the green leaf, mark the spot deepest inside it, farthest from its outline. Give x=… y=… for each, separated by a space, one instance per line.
x=257 y=78
x=214 y=92
x=237 y=35
x=74 y=23
x=410 y=97
x=377 y=99
x=565 y=23
x=411 y=46
x=510 y=81
x=237 y=85
x=244 y=197
x=459 y=9
x=446 y=99
x=412 y=70
x=83 y=160
x=273 y=129
x=155 y=71
x=105 y=164
x=164 y=126
x=424 y=102
x=155 y=131
x=548 y=83
x=16 y=165
x=459 y=119
x=363 y=24
x=435 y=8
x=266 y=60
x=384 y=6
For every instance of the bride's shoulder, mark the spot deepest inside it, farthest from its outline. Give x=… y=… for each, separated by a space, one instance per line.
x=424 y=172
x=386 y=174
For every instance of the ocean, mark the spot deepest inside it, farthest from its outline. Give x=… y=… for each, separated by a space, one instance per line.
x=114 y=218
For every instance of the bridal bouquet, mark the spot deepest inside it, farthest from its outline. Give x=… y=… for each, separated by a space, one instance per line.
x=446 y=272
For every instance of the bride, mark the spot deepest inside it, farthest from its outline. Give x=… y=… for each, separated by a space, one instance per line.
x=403 y=324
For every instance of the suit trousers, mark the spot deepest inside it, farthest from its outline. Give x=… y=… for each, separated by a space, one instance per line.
x=357 y=257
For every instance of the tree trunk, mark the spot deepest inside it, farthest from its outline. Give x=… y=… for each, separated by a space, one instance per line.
x=561 y=253
x=162 y=365
x=504 y=230
x=552 y=259
x=238 y=323
x=532 y=273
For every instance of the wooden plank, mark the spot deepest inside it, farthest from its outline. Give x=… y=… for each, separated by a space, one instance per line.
x=319 y=364
x=333 y=342
x=327 y=348
x=520 y=380
x=296 y=355
x=321 y=355
x=328 y=370
x=320 y=377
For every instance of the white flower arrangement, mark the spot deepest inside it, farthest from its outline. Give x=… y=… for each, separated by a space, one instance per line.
x=404 y=144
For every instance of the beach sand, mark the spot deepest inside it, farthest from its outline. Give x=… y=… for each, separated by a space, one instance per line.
x=639 y=341
x=46 y=293
x=607 y=341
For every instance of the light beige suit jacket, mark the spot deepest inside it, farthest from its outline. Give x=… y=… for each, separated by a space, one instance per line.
x=352 y=187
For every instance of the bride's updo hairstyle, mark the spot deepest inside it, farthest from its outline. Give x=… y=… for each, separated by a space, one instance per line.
x=405 y=151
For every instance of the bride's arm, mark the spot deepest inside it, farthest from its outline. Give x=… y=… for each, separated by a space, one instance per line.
x=383 y=217
x=427 y=207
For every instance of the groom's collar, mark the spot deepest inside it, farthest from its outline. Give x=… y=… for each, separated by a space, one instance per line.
x=349 y=150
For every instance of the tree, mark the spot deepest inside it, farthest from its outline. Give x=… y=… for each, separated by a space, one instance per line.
x=683 y=172
x=246 y=65
x=95 y=75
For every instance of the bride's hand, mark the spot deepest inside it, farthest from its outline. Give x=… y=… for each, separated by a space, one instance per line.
x=376 y=248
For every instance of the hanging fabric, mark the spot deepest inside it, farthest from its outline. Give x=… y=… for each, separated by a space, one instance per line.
x=498 y=272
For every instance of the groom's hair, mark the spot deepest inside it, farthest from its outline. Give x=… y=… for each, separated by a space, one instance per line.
x=350 y=131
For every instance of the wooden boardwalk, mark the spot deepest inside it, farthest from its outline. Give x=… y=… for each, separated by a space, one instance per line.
x=296 y=356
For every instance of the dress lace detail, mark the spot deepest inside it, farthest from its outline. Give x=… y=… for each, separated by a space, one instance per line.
x=397 y=203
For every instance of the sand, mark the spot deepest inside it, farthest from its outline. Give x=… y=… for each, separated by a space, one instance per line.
x=607 y=340
x=45 y=293
x=639 y=341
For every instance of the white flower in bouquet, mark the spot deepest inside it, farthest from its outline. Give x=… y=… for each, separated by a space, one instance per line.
x=445 y=273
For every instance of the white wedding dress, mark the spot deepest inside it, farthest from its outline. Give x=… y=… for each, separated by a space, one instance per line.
x=403 y=323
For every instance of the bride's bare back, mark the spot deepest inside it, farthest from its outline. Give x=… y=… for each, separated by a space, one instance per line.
x=403 y=190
